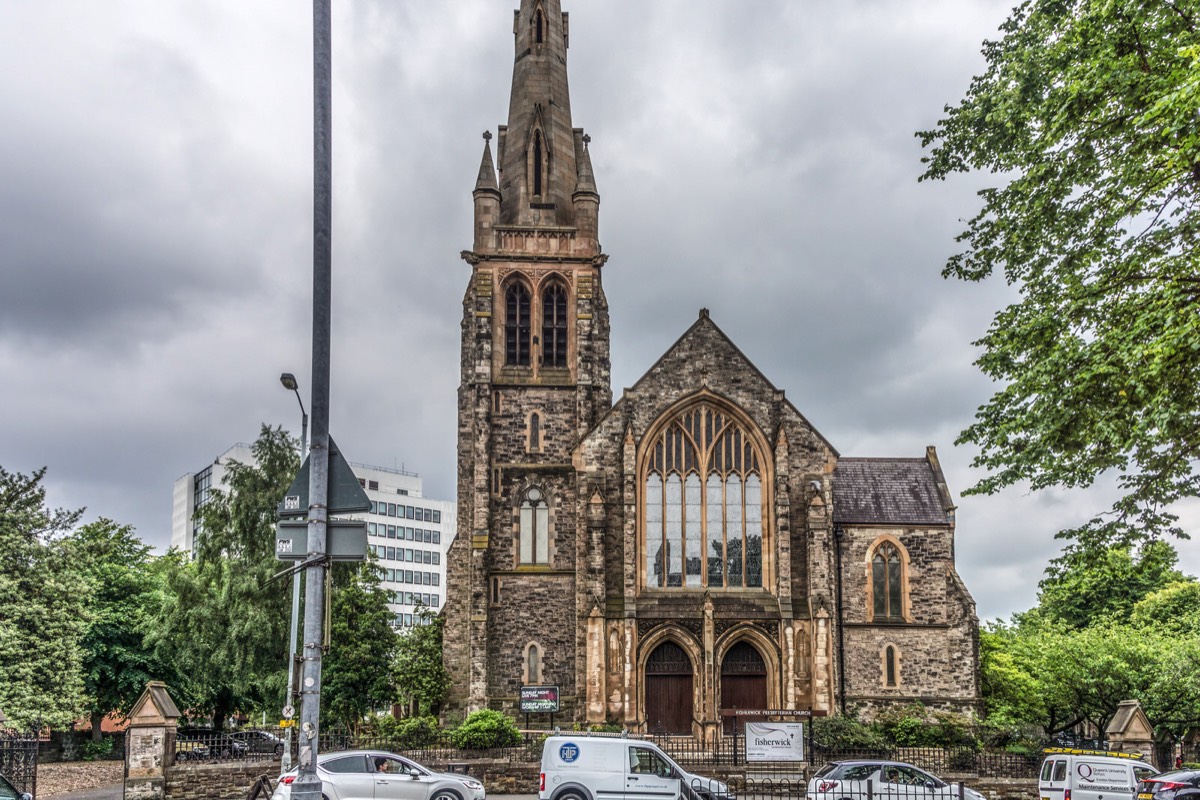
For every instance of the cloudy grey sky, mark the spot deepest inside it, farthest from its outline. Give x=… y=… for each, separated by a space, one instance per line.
x=756 y=159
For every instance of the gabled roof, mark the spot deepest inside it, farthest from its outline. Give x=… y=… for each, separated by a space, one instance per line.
x=889 y=491
x=702 y=326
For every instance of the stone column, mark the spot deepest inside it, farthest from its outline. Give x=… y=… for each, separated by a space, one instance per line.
x=1131 y=732
x=150 y=740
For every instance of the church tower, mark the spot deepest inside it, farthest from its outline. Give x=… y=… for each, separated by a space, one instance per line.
x=535 y=379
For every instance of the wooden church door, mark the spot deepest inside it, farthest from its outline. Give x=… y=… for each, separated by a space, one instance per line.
x=668 y=690
x=743 y=680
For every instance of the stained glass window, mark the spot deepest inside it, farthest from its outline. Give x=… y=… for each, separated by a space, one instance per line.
x=887 y=583
x=704 y=498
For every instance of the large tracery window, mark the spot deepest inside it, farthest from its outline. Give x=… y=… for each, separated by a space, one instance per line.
x=703 y=490
x=517 y=325
x=554 y=325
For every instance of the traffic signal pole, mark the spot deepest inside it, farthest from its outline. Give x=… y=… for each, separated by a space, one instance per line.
x=308 y=785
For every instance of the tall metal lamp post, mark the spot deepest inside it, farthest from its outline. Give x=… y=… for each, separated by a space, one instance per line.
x=290 y=383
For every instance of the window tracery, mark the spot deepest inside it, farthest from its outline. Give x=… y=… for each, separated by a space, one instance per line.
x=534 y=528
x=517 y=325
x=704 y=499
x=554 y=325
x=887 y=582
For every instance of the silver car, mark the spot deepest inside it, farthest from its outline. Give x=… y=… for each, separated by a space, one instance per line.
x=378 y=775
x=882 y=780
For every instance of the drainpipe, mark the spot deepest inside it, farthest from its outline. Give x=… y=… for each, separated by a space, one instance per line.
x=841 y=620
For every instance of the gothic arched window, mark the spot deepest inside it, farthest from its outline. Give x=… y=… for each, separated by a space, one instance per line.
x=533 y=663
x=891 y=667
x=887 y=583
x=517 y=325
x=534 y=528
x=535 y=432
x=703 y=484
x=554 y=325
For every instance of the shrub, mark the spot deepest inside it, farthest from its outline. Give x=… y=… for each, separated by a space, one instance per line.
x=97 y=749
x=486 y=729
x=845 y=733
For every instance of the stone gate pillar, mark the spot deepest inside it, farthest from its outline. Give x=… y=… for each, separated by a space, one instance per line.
x=150 y=740
x=1131 y=732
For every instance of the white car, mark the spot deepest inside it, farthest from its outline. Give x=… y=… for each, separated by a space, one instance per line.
x=378 y=775
x=888 y=780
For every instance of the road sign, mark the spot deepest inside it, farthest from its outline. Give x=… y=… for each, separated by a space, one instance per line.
x=289 y=711
x=346 y=495
x=345 y=540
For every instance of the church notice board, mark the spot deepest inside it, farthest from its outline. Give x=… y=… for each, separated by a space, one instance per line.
x=773 y=740
x=539 y=699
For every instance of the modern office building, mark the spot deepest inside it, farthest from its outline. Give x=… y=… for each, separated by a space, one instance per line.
x=408 y=533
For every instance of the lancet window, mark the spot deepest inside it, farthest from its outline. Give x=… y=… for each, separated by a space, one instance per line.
x=887 y=583
x=517 y=325
x=554 y=325
x=704 y=501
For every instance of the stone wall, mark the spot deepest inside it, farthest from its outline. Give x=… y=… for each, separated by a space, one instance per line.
x=220 y=781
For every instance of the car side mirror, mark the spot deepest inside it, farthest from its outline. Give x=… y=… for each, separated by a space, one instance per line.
x=26 y=796
x=930 y=785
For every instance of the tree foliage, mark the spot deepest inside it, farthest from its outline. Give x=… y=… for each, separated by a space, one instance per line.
x=356 y=675
x=223 y=624
x=420 y=675
x=1112 y=623
x=125 y=594
x=1087 y=110
x=42 y=608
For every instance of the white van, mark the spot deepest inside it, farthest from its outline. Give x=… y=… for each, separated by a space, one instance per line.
x=597 y=767
x=1070 y=774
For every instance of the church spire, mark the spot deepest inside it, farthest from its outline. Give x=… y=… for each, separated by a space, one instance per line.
x=536 y=149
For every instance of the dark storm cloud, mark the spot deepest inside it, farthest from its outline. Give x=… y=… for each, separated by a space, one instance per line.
x=754 y=159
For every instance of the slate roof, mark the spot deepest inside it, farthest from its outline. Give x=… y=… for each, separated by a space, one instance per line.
x=895 y=491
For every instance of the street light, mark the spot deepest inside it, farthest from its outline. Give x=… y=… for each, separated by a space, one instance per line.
x=291 y=384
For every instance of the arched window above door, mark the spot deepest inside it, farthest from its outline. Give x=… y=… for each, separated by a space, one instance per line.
x=704 y=481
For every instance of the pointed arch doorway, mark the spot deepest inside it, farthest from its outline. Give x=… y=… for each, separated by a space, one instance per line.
x=669 y=680
x=743 y=680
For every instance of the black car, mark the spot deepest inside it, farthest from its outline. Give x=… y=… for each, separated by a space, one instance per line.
x=260 y=741
x=9 y=792
x=199 y=743
x=1182 y=784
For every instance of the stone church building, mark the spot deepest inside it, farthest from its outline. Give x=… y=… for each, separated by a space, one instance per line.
x=696 y=546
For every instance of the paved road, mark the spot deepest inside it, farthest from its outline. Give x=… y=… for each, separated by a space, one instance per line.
x=113 y=792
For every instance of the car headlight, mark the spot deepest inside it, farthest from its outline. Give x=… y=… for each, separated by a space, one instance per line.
x=471 y=783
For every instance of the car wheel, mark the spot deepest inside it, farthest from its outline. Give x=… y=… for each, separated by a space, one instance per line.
x=445 y=794
x=226 y=753
x=279 y=749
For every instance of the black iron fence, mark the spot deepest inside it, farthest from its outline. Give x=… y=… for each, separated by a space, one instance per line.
x=18 y=761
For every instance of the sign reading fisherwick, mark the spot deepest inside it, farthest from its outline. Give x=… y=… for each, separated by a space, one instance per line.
x=774 y=741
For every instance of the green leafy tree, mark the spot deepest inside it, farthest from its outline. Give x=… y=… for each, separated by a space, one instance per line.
x=1095 y=582
x=1174 y=609
x=356 y=676
x=224 y=623
x=420 y=676
x=43 y=608
x=1011 y=693
x=1086 y=111
x=125 y=595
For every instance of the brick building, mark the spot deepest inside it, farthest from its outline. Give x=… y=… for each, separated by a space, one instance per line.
x=695 y=546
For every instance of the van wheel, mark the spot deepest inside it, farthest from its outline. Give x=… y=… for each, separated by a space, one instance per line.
x=571 y=794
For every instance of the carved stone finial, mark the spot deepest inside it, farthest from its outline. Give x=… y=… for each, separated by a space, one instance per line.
x=487 y=136
x=587 y=139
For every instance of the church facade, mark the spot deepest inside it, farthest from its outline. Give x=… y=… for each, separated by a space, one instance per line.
x=696 y=546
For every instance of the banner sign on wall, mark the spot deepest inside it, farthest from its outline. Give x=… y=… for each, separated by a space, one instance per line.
x=774 y=741
x=539 y=699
